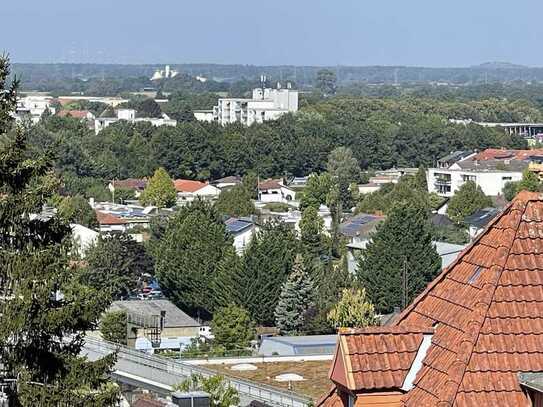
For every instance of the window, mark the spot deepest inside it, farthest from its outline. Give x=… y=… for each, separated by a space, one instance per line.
x=469 y=178
x=352 y=400
x=507 y=178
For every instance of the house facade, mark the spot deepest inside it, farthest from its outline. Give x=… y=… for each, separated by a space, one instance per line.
x=275 y=191
x=189 y=190
x=490 y=169
x=471 y=338
x=130 y=115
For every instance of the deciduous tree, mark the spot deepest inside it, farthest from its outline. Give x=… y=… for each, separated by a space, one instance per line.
x=160 y=190
x=466 y=200
x=232 y=327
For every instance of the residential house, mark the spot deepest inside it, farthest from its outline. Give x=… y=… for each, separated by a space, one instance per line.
x=358 y=230
x=273 y=190
x=130 y=115
x=156 y=324
x=242 y=230
x=77 y=114
x=83 y=238
x=478 y=221
x=490 y=169
x=227 y=182
x=189 y=190
x=471 y=338
x=110 y=223
x=135 y=184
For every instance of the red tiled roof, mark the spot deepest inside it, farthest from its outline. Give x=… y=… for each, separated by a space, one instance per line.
x=377 y=357
x=130 y=183
x=105 y=218
x=269 y=184
x=76 y=114
x=186 y=185
x=496 y=153
x=487 y=312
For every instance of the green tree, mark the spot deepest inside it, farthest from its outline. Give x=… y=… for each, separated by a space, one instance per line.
x=221 y=393
x=296 y=299
x=344 y=169
x=228 y=279
x=235 y=202
x=311 y=233
x=316 y=191
x=76 y=209
x=232 y=328
x=117 y=265
x=160 y=190
x=530 y=181
x=400 y=259
x=511 y=189
x=352 y=311
x=326 y=82
x=420 y=181
x=113 y=327
x=45 y=310
x=187 y=256
x=267 y=263
x=466 y=200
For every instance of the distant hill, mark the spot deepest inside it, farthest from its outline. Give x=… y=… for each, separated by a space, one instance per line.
x=500 y=65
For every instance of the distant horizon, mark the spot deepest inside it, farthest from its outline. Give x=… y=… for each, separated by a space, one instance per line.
x=157 y=64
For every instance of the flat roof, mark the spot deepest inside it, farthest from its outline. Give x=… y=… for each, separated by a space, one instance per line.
x=308 y=340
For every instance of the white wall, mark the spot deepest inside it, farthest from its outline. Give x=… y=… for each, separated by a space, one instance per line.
x=491 y=182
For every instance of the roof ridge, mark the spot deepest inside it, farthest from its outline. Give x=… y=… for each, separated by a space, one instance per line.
x=480 y=312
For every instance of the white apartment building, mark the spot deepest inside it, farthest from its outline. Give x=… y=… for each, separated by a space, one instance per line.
x=266 y=104
x=33 y=107
x=129 y=115
x=490 y=169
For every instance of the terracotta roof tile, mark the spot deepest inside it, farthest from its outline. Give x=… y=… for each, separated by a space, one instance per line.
x=186 y=185
x=487 y=313
x=130 y=183
x=105 y=218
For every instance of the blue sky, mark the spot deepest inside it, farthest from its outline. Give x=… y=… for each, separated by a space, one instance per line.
x=274 y=32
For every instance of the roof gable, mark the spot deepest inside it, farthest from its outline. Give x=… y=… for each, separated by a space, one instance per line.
x=186 y=185
x=486 y=310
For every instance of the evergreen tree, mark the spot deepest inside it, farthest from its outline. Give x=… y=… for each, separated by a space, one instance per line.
x=311 y=236
x=117 y=265
x=468 y=199
x=113 y=327
x=296 y=298
x=420 y=181
x=187 y=255
x=267 y=263
x=228 y=279
x=326 y=82
x=352 y=310
x=45 y=310
x=400 y=254
x=235 y=202
x=160 y=190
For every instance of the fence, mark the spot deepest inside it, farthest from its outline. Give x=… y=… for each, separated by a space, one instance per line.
x=247 y=390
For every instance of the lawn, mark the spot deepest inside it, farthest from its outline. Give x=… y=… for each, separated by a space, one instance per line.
x=316 y=381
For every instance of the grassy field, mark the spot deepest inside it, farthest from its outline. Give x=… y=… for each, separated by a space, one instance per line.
x=316 y=381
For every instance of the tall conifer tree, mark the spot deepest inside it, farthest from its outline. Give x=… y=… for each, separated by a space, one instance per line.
x=45 y=310
x=400 y=259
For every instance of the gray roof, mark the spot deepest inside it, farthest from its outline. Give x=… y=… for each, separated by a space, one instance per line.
x=360 y=226
x=512 y=165
x=455 y=156
x=532 y=380
x=308 y=340
x=174 y=316
x=481 y=217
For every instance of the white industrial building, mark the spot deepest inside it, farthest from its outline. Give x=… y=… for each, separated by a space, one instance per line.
x=490 y=169
x=33 y=107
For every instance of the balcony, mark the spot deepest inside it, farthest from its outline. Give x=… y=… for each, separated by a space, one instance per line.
x=442 y=181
